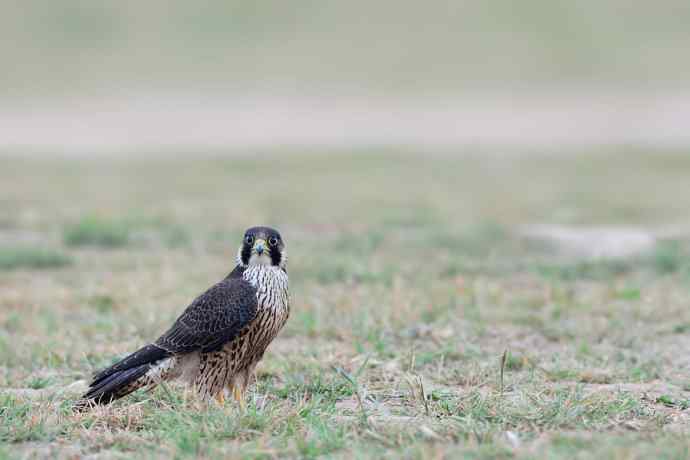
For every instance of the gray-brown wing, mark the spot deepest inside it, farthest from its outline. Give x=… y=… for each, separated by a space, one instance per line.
x=213 y=319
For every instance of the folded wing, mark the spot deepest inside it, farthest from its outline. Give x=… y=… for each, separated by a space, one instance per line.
x=214 y=318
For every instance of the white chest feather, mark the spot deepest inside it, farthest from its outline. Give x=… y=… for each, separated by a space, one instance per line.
x=271 y=285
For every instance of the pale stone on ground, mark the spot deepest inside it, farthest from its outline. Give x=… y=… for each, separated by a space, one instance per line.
x=591 y=242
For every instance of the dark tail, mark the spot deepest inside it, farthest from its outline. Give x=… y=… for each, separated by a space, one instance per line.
x=123 y=377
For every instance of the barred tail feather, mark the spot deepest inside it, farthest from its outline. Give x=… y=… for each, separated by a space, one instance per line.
x=118 y=385
x=140 y=369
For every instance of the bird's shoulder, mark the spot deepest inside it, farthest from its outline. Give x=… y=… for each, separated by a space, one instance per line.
x=214 y=317
x=237 y=272
x=231 y=298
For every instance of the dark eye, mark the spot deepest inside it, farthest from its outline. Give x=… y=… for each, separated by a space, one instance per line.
x=249 y=239
x=272 y=241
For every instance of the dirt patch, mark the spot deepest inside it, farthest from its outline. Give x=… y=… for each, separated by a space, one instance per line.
x=567 y=119
x=74 y=389
x=591 y=242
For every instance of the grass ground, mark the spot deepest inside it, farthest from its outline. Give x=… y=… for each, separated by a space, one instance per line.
x=421 y=326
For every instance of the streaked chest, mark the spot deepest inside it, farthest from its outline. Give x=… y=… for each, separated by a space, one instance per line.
x=272 y=295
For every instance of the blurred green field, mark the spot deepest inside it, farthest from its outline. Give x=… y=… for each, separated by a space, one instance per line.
x=409 y=284
x=78 y=47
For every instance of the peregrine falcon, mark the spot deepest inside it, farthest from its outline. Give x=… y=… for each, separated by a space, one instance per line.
x=218 y=340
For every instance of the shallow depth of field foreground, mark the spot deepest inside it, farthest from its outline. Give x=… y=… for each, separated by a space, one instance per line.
x=443 y=306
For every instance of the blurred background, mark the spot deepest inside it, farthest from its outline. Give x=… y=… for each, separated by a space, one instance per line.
x=531 y=157
x=371 y=130
x=82 y=77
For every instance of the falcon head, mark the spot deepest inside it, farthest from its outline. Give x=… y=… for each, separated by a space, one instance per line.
x=262 y=246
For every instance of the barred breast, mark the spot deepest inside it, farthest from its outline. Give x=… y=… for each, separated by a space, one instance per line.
x=235 y=362
x=273 y=309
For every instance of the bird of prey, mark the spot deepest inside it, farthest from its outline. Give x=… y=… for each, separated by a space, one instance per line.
x=218 y=340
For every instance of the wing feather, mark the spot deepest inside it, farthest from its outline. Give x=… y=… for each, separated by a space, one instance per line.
x=214 y=318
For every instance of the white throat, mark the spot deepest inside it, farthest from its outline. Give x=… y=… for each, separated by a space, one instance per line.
x=260 y=260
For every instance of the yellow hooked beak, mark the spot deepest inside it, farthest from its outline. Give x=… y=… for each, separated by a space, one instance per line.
x=259 y=246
